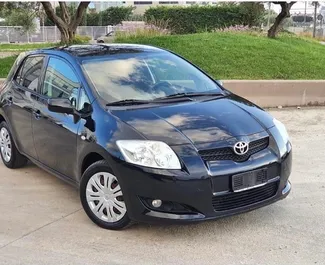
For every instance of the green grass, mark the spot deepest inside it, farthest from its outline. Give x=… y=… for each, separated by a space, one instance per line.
x=227 y=55
x=24 y=47
x=7 y=62
x=5 y=65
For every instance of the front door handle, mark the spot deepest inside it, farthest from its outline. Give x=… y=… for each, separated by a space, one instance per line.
x=10 y=100
x=37 y=114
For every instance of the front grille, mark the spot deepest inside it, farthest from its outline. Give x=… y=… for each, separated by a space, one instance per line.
x=234 y=200
x=227 y=153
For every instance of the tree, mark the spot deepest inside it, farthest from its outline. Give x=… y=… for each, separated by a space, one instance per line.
x=115 y=15
x=285 y=13
x=23 y=18
x=253 y=13
x=21 y=14
x=68 y=22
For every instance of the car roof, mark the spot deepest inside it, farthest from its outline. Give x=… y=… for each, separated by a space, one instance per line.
x=97 y=49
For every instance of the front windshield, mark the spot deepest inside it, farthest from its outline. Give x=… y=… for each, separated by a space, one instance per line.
x=145 y=76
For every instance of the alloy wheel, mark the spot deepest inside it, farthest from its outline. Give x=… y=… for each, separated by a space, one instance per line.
x=5 y=144
x=104 y=197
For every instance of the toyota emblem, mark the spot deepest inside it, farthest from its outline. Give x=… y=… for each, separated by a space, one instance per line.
x=241 y=148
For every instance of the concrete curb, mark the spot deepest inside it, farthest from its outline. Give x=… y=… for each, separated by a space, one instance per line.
x=273 y=93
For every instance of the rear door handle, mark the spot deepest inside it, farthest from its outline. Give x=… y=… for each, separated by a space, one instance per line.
x=37 y=114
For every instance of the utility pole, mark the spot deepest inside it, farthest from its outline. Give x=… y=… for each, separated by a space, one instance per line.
x=305 y=18
x=268 y=17
x=315 y=14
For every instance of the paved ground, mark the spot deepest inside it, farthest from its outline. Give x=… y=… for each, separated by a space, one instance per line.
x=41 y=221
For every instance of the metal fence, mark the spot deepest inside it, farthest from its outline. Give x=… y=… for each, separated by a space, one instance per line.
x=52 y=33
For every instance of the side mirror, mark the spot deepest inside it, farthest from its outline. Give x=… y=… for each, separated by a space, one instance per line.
x=60 y=105
x=219 y=82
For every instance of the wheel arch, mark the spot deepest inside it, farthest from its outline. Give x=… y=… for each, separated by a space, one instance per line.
x=88 y=160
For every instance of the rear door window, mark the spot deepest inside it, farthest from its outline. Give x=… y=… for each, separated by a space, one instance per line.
x=29 y=73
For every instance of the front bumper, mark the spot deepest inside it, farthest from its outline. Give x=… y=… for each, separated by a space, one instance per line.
x=196 y=196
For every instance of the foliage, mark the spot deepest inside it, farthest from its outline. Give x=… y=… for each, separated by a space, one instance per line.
x=253 y=13
x=226 y=55
x=78 y=39
x=136 y=17
x=115 y=15
x=148 y=31
x=183 y=20
x=21 y=14
x=110 y=16
x=23 y=18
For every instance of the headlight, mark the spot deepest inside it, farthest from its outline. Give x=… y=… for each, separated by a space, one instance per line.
x=282 y=129
x=149 y=154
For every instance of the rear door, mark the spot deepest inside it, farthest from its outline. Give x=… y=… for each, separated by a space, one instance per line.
x=20 y=100
x=55 y=134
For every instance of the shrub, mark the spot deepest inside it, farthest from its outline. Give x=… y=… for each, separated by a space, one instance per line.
x=115 y=15
x=80 y=39
x=193 y=19
x=147 y=31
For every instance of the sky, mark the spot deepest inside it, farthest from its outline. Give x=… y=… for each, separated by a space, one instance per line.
x=296 y=8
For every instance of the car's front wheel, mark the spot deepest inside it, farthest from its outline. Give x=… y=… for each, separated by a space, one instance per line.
x=102 y=197
x=9 y=152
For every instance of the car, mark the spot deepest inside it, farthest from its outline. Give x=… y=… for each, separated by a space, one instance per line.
x=145 y=135
x=109 y=37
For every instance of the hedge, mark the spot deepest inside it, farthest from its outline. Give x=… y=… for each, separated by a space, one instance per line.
x=193 y=19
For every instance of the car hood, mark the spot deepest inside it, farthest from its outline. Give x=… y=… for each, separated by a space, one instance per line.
x=198 y=121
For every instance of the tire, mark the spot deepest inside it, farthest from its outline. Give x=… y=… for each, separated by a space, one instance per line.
x=102 y=197
x=100 y=41
x=10 y=156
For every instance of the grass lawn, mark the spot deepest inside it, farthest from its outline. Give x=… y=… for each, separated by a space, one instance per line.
x=230 y=55
x=5 y=65
x=24 y=46
x=242 y=56
x=7 y=62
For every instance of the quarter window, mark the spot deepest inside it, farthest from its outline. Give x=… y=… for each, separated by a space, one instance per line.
x=29 y=73
x=60 y=81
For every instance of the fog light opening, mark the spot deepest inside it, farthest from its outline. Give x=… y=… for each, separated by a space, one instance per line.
x=156 y=203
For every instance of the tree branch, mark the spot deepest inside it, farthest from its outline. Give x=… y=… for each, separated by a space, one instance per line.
x=64 y=11
x=78 y=16
x=52 y=16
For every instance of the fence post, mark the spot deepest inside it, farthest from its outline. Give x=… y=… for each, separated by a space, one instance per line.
x=8 y=37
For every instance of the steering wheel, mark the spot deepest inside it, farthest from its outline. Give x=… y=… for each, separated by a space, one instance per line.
x=163 y=86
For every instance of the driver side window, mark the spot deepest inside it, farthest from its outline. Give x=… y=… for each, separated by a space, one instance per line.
x=61 y=81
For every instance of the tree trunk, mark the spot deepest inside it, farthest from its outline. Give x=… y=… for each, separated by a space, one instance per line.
x=67 y=24
x=277 y=26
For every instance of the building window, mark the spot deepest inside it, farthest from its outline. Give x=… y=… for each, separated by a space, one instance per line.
x=142 y=2
x=168 y=2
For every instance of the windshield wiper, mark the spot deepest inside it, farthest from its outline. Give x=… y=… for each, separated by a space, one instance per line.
x=128 y=102
x=191 y=94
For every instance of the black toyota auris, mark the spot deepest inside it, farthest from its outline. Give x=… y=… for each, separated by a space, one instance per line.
x=144 y=134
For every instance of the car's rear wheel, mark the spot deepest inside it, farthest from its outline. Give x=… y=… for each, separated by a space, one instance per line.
x=102 y=197
x=9 y=152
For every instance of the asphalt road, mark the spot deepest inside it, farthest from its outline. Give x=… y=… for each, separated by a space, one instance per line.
x=41 y=220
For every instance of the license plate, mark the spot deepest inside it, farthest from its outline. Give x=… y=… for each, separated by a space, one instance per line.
x=250 y=179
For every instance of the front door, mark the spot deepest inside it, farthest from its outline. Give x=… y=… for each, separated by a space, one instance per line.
x=55 y=134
